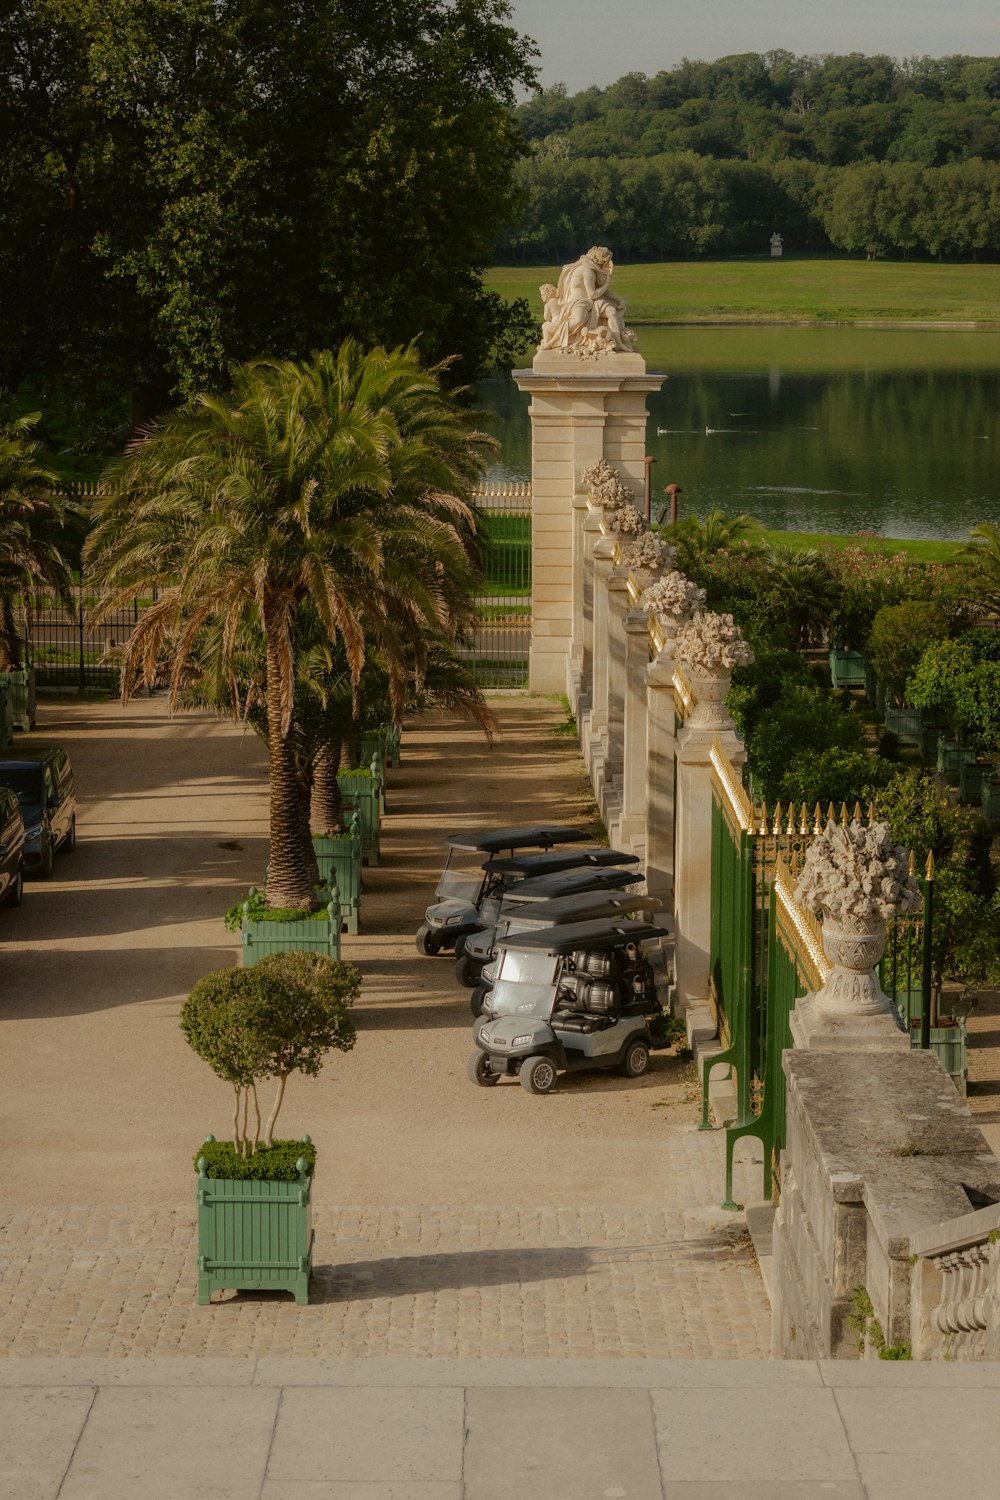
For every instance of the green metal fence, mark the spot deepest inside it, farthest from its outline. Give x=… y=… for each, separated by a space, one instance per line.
x=498 y=652
x=766 y=953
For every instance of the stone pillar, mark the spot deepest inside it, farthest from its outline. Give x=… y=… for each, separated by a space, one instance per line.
x=574 y=669
x=591 y=534
x=619 y=600
x=595 y=741
x=581 y=410
x=631 y=829
x=707 y=722
x=661 y=717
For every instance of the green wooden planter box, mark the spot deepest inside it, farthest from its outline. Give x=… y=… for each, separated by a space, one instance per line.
x=339 y=862
x=951 y=1045
x=847 y=669
x=970 y=781
x=254 y=1236
x=951 y=757
x=360 y=791
x=309 y=935
x=21 y=686
x=991 y=801
x=906 y=723
x=6 y=715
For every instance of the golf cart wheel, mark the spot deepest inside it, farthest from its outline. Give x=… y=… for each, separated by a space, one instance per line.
x=467 y=971
x=460 y=945
x=480 y=1072
x=477 y=998
x=538 y=1075
x=636 y=1059
x=426 y=941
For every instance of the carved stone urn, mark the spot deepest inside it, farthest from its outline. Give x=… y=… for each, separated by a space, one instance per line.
x=856 y=878
x=854 y=945
x=710 y=690
x=710 y=646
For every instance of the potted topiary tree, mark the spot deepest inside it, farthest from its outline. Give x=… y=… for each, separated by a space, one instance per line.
x=279 y=1017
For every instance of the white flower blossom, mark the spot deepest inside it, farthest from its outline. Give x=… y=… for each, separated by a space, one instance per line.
x=712 y=643
x=647 y=553
x=606 y=487
x=857 y=871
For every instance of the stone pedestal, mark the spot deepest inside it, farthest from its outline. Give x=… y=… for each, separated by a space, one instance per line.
x=631 y=831
x=581 y=410
x=595 y=736
x=661 y=720
x=619 y=601
x=693 y=847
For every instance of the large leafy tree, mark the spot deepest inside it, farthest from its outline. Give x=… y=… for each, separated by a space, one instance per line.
x=331 y=488
x=212 y=180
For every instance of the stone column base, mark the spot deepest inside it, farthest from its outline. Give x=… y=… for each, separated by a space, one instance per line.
x=816 y=1029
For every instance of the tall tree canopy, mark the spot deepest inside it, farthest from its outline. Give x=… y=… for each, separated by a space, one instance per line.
x=189 y=183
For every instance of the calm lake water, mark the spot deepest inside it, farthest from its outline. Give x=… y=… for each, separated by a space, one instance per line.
x=892 y=431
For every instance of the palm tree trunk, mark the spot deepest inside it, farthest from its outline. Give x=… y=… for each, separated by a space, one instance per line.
x=292 y=870
x=327 y=798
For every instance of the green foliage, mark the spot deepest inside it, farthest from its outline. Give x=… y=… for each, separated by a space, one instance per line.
x=757 y=687
x=868 y=1329
x=803 y=723
x=963 y=690
x=290 y=180
x=274 y=1163
x=280 y=1016
x=832 y=775
x=867 y=582
x=255 y=906
x=667 y=1031
x=899 y=636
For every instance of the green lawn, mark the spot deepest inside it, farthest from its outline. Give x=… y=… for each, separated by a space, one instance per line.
x=765 y=290
x=921 y=551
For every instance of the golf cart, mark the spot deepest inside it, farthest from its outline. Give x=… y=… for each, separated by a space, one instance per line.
x=565 y=999
x=531 y=916
x=470 y=903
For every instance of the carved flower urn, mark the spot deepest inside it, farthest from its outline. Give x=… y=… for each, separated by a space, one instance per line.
x=856 y=878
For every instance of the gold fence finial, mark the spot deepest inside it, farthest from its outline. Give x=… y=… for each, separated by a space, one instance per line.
x=871 y=813
x=930 y=865
x=803 y=820
x=776 y=826
x=790 y=828
x=763 y=817
x=830 y=814
x=817 y=820
x=911 y=868
x=857 y=812
x=843 y=815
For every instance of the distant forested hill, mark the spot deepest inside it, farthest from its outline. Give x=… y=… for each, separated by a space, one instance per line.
x=857 y=153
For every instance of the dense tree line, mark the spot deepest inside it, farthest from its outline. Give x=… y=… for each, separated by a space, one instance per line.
x=859 y=153
x=188 y=183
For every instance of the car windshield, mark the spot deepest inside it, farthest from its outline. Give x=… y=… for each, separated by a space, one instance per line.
x=26 y=781
x=525 y=984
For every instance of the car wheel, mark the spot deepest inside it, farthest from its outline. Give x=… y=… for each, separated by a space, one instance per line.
x=477 y=999
x=16 y=893
x=538 y=1075
x=48 y=861
x=70 y=843
x=636 y=1059
x=467 y=971
x=480 y=1072
x=426 y=941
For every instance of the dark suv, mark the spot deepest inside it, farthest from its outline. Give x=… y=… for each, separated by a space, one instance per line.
x=11 y=848
x=43 y=781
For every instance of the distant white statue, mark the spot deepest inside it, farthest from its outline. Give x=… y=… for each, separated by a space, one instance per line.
x=582 y=315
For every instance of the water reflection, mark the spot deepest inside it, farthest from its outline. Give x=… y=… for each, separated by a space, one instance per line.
x=838 y=430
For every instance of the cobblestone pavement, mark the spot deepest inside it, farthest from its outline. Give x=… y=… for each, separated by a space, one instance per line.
x=655 y=1283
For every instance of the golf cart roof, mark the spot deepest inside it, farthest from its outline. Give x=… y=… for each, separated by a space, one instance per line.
x=569 y=882
x=593 y=857
x=593 y=936
x=527 y=836
x=584 y=906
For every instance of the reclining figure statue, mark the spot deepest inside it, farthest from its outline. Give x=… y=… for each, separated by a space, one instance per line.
x=582 y=315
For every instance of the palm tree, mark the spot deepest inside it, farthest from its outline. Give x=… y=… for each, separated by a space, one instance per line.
x=332 y=486
x=698 y=541
x=800 y=590
x=32 y=531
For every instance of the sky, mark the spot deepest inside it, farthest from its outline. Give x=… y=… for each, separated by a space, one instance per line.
x=584 y=42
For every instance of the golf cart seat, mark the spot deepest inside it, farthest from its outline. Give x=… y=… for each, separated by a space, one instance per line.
x=597 y=965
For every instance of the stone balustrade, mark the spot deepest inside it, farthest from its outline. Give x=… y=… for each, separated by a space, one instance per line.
x=955 y=1288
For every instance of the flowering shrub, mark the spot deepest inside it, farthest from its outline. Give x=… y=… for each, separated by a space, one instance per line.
x=673 y=598
x=857 y=871
x=712 y=643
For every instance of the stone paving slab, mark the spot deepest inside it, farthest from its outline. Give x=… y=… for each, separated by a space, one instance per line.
x=619 y=1283
x=747 y=1431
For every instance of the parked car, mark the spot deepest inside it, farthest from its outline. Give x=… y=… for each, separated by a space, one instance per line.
x=11 y=848
x=565 y=999
x=43 y=783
